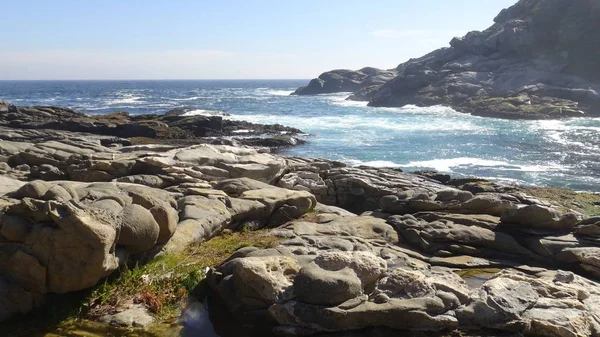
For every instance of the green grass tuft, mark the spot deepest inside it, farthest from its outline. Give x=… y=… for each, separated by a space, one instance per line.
x=164 y=286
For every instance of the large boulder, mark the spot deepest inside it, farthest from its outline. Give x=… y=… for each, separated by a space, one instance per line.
x=58 y=237
x=139 y=230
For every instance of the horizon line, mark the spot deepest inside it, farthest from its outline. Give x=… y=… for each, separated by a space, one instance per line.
x=161 y=79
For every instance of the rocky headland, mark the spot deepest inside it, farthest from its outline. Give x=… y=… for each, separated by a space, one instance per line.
x=538 y=60
x=352 y=251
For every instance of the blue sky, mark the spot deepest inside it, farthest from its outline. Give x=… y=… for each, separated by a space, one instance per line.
x=151 y=39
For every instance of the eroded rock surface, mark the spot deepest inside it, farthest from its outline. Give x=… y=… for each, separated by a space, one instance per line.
x=121 y=205
x=355 y=272
x=360 y=246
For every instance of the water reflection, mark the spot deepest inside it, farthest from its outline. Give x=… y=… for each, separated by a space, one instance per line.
x=476 y=277
x=196 y=321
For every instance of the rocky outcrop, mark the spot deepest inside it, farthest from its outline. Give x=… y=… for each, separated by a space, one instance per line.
x=538 y=60
x=344 y=80
x=100 y=207
x=45 y=123
x=352 y=273
x=65 y=236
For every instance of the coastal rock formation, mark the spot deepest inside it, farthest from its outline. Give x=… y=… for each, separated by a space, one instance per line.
x=104 y=207
x=354 y=272
x=73 y=210
x=538 y=60
x=344 y=80
x=66 y=236
x=45 y=123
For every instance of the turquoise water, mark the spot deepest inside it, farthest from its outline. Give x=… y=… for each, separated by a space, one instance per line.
x=561 y=153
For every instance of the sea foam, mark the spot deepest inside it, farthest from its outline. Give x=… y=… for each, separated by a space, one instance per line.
x=203 y=112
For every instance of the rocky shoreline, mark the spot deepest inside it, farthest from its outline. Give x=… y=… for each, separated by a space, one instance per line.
x=175 y=127
x=355 y=247
x=537 y=61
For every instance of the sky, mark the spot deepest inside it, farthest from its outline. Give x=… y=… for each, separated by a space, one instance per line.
x=227 y=39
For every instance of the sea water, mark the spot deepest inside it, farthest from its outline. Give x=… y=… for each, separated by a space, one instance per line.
x=555 y=153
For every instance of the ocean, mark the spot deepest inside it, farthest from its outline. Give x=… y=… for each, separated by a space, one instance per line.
x=552 y=153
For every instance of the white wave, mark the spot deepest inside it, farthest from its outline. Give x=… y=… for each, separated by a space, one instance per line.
x=561 y=138
x=428 y=110
x=242 y=131
x=563 y=131
x=336 y=96
x=187 y=99
x=369 y=123
x=125 y=100
x=278 y=92
x=202 y=112
x=255 y=97
x=349 y=103
x=161 y=105
x=448 y=165
x=341 y=100
x=566 y=125
x=52 y=99
x=373 y=163
x=555 y=125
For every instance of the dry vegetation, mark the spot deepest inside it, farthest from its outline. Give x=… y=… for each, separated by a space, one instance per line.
x=567 y=200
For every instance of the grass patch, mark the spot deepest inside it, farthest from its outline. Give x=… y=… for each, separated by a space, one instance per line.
x=163 y=285
x=566 y=200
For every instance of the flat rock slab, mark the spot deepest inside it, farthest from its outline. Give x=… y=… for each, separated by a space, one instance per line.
x=136 y=316
x=8 y=185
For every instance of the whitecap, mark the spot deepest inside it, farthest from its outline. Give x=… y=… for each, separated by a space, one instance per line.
x=373 y=163
x=125 y=100
x=366 y=123
x=350 y=103
x=187 y=99
x=436 y=110
x=453 y=164
x=203 y=112
x=448 y=165
x=278 y=92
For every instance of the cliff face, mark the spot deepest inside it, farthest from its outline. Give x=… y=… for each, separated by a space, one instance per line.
x=540 y=59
